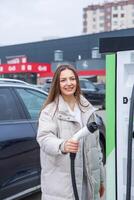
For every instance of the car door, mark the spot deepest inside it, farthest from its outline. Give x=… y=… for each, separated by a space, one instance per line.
x=18 y=148
x=32 y=101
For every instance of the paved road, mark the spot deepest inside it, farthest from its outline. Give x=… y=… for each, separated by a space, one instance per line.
x=38 y=195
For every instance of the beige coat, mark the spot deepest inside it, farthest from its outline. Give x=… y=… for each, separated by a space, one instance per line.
x=56 y=126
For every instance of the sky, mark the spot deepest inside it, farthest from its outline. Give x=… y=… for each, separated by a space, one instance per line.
x=23 y=21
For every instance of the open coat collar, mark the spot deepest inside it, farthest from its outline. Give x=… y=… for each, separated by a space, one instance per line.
x=84 y=105
x=63 y=112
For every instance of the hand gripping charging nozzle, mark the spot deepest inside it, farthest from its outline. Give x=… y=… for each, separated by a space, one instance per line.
x=86 y=130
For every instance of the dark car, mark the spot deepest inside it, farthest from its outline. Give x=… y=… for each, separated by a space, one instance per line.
x=20 y=105
x=92 y=93
x=101 y=86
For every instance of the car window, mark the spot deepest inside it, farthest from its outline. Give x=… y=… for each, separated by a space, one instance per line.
x=87 y=85
x=101 y=86
x=46 y=87
x=33 y=101
x=8 y=108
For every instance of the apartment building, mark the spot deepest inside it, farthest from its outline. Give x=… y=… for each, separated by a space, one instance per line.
x=108 y=16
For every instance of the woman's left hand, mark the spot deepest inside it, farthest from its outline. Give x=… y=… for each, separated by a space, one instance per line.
x=101 y=190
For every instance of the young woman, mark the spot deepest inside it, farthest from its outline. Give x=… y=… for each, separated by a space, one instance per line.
x=65 y=112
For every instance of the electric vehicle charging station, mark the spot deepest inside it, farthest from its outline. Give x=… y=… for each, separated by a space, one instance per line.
x=119 y=117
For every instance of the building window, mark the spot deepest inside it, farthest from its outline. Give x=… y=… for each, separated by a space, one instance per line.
x=84 y=30
x=85 y=15
x=95 y=53
x=94 y=19
x=122 y=7
x=115 y=23
x=58 y=55
x=115 y=7
x=85 y=23
x=101 y=17
x=122 y=15
x=101 y=24
x=115 y=15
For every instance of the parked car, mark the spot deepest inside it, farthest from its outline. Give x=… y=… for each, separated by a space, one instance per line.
x=92 y=93
x=9 y=80
x=20 y=106
x=101 y=86
x=47 y=84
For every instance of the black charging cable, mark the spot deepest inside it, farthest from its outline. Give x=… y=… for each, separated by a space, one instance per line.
x=92 y=127
x=72 y=157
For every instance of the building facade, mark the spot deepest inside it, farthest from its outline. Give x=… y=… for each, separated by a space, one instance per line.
x=34 y=61
x=108 y=16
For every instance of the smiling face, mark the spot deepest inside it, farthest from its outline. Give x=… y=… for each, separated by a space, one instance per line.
x=68 y=83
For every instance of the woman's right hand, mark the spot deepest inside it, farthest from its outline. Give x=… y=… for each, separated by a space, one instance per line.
x=71 y=146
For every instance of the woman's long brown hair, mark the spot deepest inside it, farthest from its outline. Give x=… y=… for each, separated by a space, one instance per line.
x=55 y=85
